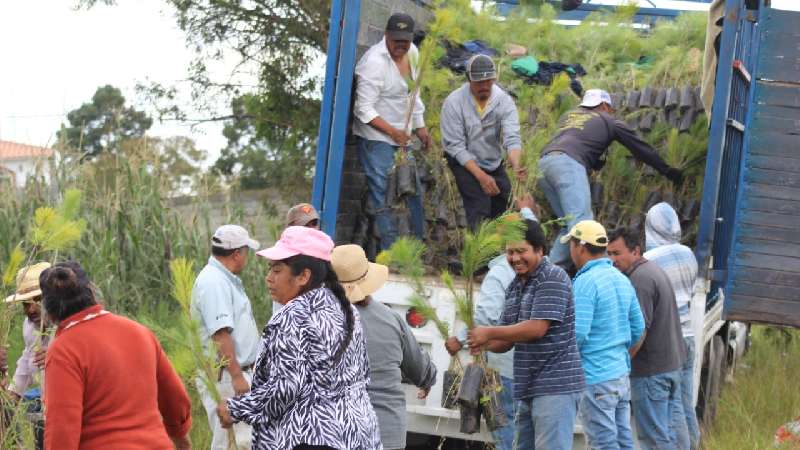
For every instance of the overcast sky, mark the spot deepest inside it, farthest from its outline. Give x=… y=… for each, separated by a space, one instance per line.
x=53 y=58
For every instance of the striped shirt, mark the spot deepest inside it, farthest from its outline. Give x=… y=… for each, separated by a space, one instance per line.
x=608 y=320
x=549 y=365
x=663 y=234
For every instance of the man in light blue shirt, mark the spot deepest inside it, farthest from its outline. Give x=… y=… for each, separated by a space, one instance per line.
x=221 y=306
x=608 y=327
x=488 y=311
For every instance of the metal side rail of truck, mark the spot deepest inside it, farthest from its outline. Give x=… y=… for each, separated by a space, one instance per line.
x=748 y=247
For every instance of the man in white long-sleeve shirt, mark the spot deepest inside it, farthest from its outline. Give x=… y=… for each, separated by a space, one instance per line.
x=32 y=359
x=382 y=123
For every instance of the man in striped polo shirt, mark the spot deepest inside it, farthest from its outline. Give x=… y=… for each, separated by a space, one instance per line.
x=538 y=321
x=608 y=323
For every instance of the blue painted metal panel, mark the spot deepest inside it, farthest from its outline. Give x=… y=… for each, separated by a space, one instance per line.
x=764 y=260
x=717 y=185
x=326 y=111
x=341 y=115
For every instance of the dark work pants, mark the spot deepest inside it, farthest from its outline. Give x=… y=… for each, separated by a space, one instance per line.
x=478 y=206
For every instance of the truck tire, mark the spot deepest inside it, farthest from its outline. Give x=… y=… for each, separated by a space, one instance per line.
x=711 y=380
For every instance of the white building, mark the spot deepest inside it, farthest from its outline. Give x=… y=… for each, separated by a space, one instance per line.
x=19 y=161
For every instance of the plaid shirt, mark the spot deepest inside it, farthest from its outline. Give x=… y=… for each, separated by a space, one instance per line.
x=663 y=233
x=549 y=365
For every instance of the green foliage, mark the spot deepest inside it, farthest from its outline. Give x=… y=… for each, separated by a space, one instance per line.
x=405 y=257
x=103 y=124
x=763 y=395
x=617 y=57
x=58 y=230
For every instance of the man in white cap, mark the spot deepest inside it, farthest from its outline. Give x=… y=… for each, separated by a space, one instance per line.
x=480 y=126
x=579 y=146
x=220 y=304
x=31 y=362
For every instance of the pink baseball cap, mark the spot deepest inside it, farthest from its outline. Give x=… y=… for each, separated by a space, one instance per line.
x=297 y=240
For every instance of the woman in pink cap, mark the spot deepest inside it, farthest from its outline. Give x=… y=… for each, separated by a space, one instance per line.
x=310 y=383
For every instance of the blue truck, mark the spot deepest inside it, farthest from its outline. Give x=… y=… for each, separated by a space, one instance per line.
x=748 y=244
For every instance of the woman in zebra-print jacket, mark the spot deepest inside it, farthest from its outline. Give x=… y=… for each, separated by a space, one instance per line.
x=310 y=383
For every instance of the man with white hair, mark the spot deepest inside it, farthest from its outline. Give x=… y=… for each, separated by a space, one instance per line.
x=579 y=146
x=221 y=306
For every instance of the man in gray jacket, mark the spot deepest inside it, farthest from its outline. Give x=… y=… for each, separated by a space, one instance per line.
x=394 y=355
x=480 y=126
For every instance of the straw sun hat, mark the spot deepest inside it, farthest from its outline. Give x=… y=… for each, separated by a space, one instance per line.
x=28 y=283
x=357 y=275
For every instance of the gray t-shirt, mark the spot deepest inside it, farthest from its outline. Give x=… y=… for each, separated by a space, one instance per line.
x=394 y=357
x=663 y=349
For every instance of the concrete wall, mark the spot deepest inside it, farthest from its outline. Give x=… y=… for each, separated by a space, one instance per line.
x=25 y=167
x=374 y=14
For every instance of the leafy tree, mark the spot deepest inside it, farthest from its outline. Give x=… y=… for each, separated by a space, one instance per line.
x=104 y=123
x=276 y=42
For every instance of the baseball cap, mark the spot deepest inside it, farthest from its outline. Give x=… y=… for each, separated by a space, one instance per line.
x=300 y=241
x=400 y=27
x=594 y=97
x=301 y=214
x=230 y=237
x=480 y=67
x=588 y=232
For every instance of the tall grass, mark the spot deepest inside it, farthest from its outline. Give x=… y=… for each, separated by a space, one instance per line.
x=763 y=395
x=130 y=234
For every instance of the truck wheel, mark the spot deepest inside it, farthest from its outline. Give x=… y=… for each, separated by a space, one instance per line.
x=711 y=380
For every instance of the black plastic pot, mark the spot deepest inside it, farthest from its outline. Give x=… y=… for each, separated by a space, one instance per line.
x=646 y=97
x=470 y=418
x=673 y=97
x=596 y=189
x=661 y=97
x=406 y=179
x=687 y=119
x=632 y=100
x=646 y=124
x=470 y=390
x=687 y=98
x=391 y=189
x=450 y=383
x=653 y=197
x=492 y=410
x=403 y=222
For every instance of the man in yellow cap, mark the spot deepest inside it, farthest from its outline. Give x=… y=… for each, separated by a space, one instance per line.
x=32 y=359
x=608 y=323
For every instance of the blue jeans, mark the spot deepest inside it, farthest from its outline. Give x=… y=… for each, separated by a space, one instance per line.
x=687 y=392
x=377 y=158
x=565 y=183
x=605 y=415
x=658 y=410
x=504 y=437
x=546 y=422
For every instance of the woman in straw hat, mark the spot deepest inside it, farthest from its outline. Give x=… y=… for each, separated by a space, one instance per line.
x=310 y=383
x=394 y=353
x=32 y=359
